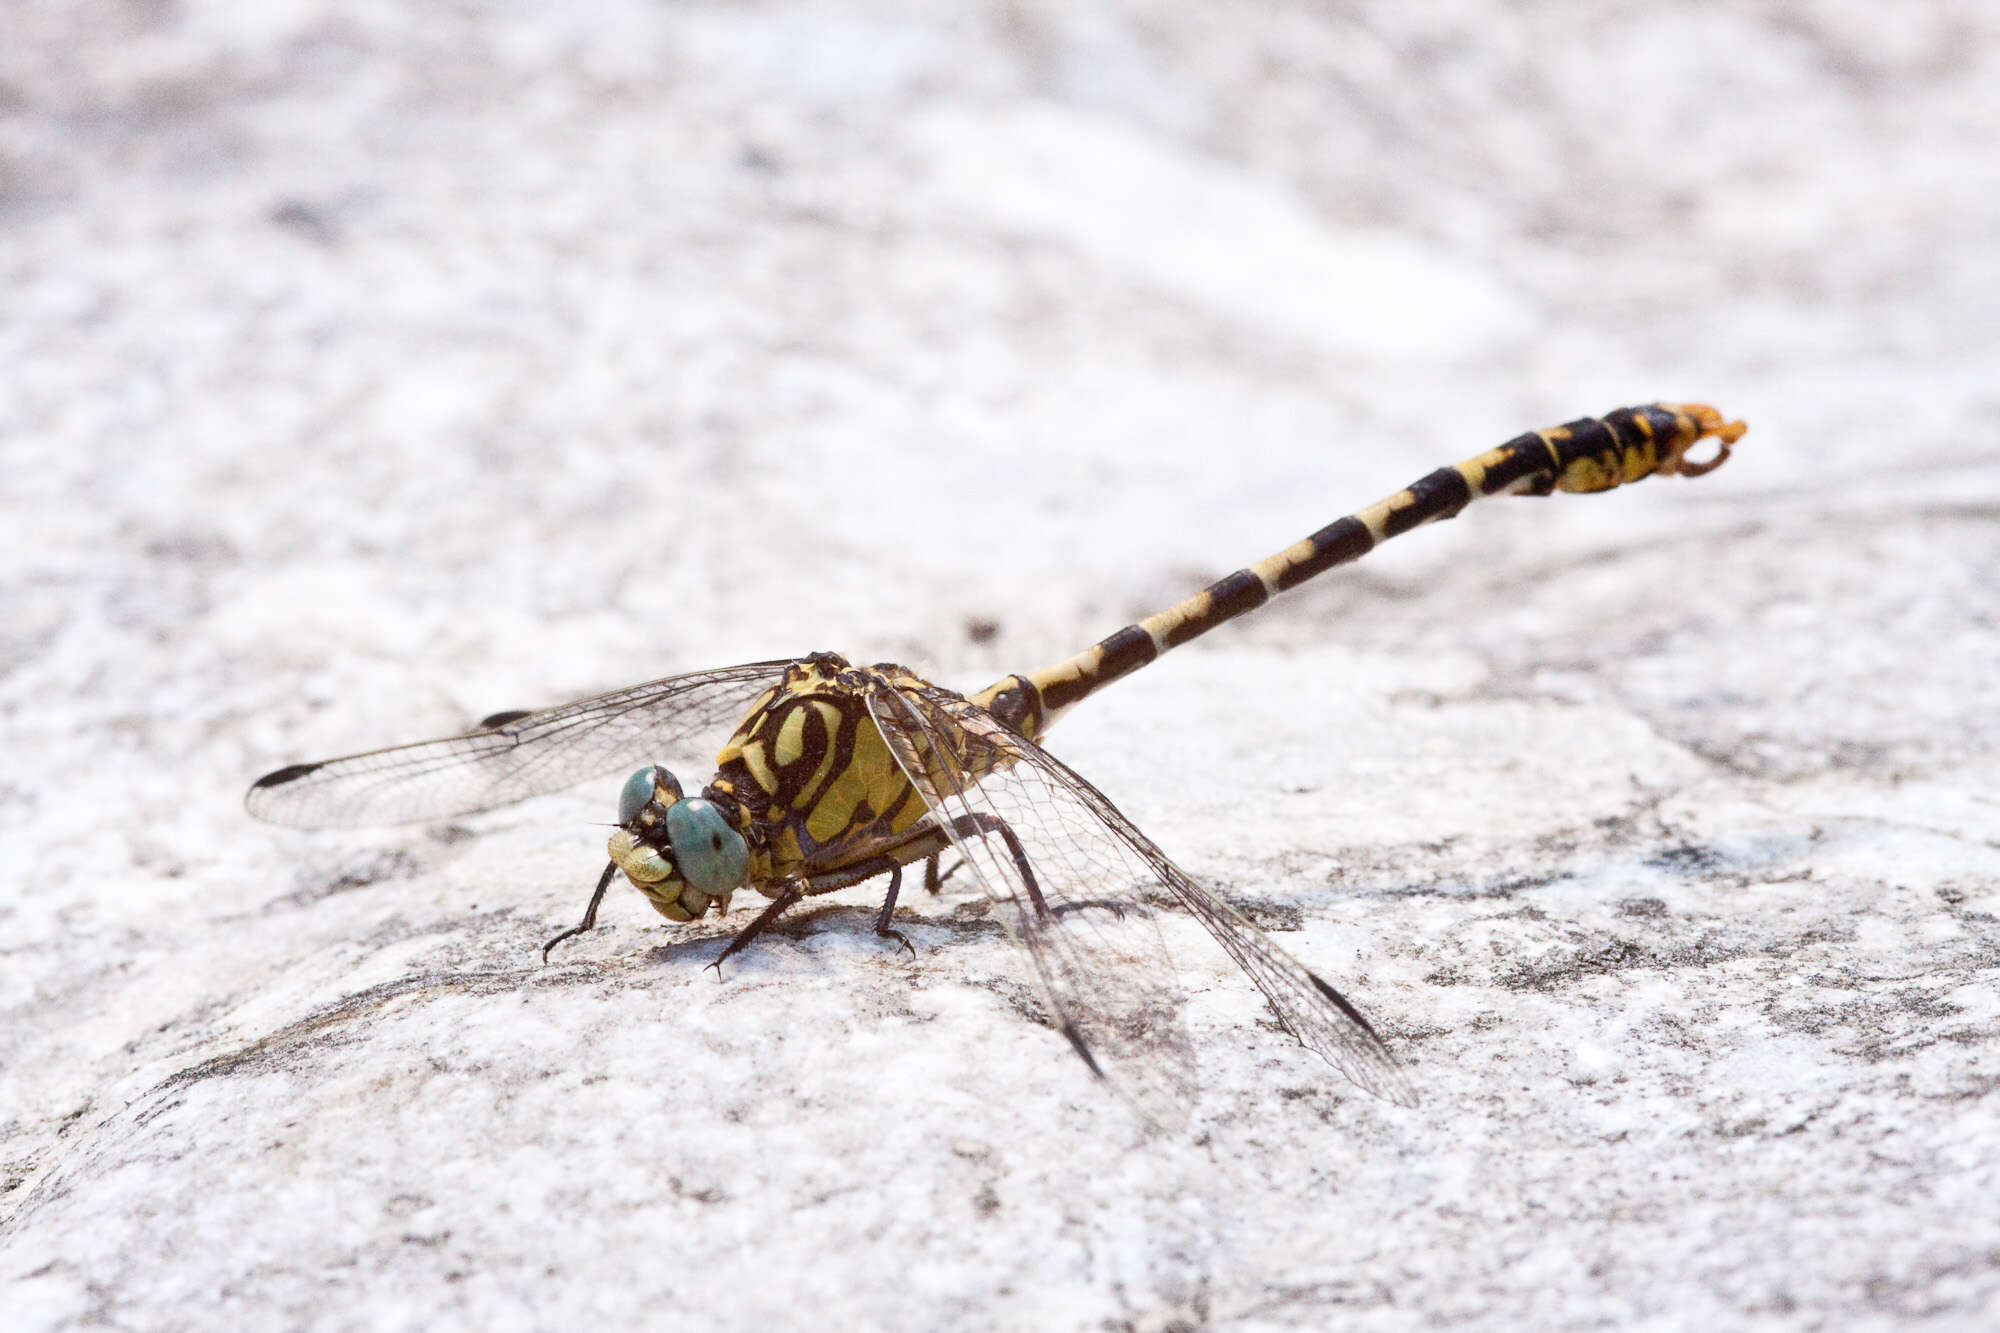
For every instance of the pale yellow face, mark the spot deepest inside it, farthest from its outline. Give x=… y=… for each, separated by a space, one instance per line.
x=643 y=848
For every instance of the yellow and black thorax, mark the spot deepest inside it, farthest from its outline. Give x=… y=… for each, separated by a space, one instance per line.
x=809 y=776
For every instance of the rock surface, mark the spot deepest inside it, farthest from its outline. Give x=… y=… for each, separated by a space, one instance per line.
x=367 y=369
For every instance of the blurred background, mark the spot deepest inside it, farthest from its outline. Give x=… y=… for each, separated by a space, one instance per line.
x=369 y=367
x=975 y=309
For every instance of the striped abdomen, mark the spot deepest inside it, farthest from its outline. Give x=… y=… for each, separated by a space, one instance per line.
x=1593 y=454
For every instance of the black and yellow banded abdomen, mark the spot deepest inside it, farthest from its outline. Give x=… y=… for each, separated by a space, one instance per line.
x=1592 y=454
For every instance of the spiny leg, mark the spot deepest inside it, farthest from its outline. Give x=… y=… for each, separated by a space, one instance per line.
x=933 y=881
x=889 y=908
x=589 y=913
x=845 y=877
x=978 y=826
x=785 y=900
x=965 y=826
x=1112 y=906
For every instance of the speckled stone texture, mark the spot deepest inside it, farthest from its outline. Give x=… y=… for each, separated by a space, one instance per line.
x=368 y=368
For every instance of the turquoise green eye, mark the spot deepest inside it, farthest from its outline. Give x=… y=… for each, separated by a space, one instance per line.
x=711 y=855
x=638 y=790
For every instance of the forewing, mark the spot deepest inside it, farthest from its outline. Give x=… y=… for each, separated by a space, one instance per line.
x=522 y=756
x=1074 y=894
x=1094 y=855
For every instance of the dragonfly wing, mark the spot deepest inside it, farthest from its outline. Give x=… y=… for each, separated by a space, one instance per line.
x=1095 y=872
x=514 y=756
x=1073 y=893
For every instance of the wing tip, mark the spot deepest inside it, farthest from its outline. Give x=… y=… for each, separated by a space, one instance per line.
x=1386 y=1079
x=1340 y=1003
x=289 y=773
x=1398 y=1090
x=266 y=799
x=495 y=721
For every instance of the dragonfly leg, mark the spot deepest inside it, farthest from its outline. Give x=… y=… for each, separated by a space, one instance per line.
x=1112 y=906
x=845 y=877
x=589 y=913
x=864 y=870
x=779 y=906
x=889 y=908
x=933 y=881
x=978 y=826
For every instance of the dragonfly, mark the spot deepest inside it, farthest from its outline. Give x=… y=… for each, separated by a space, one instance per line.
x=832 y=774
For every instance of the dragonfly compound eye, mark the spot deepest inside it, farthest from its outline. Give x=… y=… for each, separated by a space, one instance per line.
x=711 y=855
x=639 y=789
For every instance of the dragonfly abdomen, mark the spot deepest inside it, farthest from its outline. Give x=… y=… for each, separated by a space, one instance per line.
x=1590 y=454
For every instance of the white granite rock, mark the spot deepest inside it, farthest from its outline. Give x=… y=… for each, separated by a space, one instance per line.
x=367 y=369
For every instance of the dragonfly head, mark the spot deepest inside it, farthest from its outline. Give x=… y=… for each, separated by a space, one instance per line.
x=681 y=852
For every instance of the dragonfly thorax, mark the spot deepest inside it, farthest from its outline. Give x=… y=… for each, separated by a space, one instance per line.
x=684 y=853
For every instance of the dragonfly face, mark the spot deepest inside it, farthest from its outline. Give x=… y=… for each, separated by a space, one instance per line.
x=680 y=851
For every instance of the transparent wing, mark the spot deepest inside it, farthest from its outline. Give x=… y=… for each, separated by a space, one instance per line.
x=1076 y=877
x=513 y=757
x=1073 y=894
